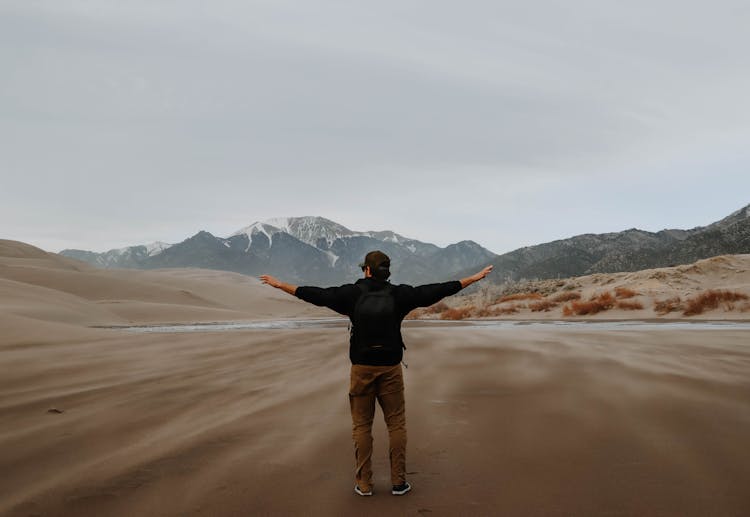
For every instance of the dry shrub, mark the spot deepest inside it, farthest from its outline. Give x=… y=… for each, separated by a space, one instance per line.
x=582 y=308
x=497 y=311
x=566 y=297
x=662 y=307
x=630 y=306
x=542 y=305
x=711 y=299
x=415 y=314
x=519 y=296
x=745 y=307
x=437 y=308
x=596 y=304
x=458 y=313
x=485 y=312
x=606 y=300
x=511 y=309
x=624 y=292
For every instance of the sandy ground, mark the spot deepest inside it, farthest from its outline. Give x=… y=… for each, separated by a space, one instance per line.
x=501 y=421
x=512 y=422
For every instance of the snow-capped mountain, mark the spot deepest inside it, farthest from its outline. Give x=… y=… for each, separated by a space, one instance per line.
x=128 y=257
x=315 y=231
x=318 y=251
x=310 y=249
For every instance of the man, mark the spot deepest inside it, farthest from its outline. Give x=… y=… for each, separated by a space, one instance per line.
x=376 y=309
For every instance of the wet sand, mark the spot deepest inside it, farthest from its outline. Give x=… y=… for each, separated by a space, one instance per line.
x=519 y=421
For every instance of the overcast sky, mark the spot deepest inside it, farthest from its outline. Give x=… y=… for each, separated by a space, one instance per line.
x=508 y=123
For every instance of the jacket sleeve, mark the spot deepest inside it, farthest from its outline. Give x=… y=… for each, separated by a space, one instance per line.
x=426 y=295
x=340 y=299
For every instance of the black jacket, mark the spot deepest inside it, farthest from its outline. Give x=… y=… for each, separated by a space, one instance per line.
x=342 y=299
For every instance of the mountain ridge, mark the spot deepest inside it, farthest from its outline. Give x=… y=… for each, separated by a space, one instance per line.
x=316 y=250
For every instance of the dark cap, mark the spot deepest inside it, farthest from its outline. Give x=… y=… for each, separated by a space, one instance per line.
x=376 y=259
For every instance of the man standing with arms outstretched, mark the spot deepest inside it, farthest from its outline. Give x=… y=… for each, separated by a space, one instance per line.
x=376 y=309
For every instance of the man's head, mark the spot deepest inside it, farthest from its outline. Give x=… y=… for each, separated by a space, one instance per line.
x=376 y=264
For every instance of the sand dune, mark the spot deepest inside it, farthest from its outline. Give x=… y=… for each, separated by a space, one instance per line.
x=679 y=284
x=47 y=287
x=521 y=421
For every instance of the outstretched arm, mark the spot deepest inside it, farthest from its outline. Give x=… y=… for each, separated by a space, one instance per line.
x=476 y=277
x=278 y=284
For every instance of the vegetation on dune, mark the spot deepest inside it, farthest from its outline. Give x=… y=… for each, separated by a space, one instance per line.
x=566 y=297
x=624 y=292
x=596 y=304
x=458 y=313
x=629 y=306
x=542 y=305
x=549 y=295
x=519 y=296
x=662 y=307
x=711 y=299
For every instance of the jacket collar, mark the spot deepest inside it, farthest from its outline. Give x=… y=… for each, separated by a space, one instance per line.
x=373 y=283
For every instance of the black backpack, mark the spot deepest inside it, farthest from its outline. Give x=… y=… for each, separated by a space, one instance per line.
x=375 y=324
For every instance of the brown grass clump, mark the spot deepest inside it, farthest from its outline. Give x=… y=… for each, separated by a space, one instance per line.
x=566 y=297
x=630 y=306
x=498 y=311
x=662 y=307
x=519 y=296
x=511 y=309
x=581 y=308
x=436 y=308
x=624 y=292
x=542 y=305
x=711 y=299
x=459 y=313
x=596 y=304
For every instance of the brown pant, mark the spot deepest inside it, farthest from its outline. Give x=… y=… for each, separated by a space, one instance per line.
x=386 y=384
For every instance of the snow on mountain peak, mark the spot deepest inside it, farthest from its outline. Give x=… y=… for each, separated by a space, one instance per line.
x=282 y=223
x=315 y=230
x=156 y=247
x=262 y=227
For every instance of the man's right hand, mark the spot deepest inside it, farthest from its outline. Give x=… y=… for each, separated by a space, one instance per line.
x=278 y=284
x=483 y=273
x=476 y=277
x=268 y=279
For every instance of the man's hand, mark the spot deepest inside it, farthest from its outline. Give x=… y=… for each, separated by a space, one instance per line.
x=483 y=273
x=476 y=277
x=268 y=279
x=278 y=284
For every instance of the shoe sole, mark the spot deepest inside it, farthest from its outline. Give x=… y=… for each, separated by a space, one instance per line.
x=357 y=490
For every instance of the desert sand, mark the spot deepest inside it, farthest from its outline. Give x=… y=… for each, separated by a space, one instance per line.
x=519 y=421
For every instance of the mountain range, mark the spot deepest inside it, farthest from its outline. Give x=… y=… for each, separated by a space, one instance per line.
x=309 y=250
x=317 y=251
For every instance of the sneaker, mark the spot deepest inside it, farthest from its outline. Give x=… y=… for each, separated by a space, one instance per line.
x=401 y=489
x=362 y=492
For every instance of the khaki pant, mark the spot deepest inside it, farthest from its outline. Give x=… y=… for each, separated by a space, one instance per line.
x=386 y=384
